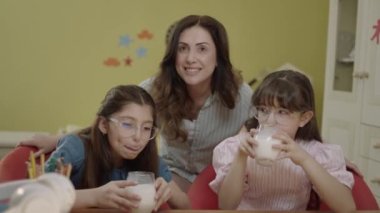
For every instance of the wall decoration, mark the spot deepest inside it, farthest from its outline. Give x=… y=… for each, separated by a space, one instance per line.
x=112 y=62
x=128 y=61
x=376 y=34
x=141 y=52
x=145 y=34
x=136 y=47
x=125 y=41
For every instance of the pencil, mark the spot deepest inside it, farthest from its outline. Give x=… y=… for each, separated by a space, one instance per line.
x=68 y=171
x=29 y=169
x=33 y=162
x=42 y=164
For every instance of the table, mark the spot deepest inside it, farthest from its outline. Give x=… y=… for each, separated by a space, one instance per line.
x=97 y=210
x=232 y=211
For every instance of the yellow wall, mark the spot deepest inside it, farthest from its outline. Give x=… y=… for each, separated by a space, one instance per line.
x=52 y=52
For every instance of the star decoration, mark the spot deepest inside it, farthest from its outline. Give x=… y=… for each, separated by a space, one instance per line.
x=145 y=34
x=125 y=41
x=128 y=61
x=376 y=34
x=141 y=52
x=111 y=62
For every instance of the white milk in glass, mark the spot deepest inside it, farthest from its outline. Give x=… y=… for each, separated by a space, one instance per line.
x=145 y=189
x=147 y=193
x=265 y=154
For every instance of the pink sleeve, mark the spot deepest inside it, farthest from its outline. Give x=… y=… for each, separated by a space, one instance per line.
x=223 y=156
x=331 y=157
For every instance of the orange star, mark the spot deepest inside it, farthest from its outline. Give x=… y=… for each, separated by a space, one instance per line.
x=145 y=34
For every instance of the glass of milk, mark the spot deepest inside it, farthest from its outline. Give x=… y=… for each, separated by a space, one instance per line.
x=265 y=155
x=145 y=189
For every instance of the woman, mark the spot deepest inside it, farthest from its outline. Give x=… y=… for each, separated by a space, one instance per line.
x=200 y=97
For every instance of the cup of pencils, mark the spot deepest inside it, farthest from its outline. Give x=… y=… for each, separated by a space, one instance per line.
x=35 y=170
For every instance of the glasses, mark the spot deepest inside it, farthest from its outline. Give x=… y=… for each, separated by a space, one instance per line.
x=128 y=128
x=280 y=115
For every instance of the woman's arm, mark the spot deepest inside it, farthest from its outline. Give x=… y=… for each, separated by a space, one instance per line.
x=179 y=199
x=44 y=143
x=170 y=193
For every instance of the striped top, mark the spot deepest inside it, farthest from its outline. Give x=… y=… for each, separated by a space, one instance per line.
x=283 y=186
x=214 y=123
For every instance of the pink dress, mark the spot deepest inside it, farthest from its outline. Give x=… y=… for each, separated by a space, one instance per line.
x=283 y=186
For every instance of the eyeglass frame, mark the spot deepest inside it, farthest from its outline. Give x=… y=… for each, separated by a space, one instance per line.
x=275 y=111
x=153 y=131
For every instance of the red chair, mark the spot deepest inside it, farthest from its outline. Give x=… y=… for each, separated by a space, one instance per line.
x=13 y=166
x=202 y=197
x=200 y=194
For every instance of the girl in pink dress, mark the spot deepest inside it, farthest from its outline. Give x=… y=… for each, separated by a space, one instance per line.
x=284 y=100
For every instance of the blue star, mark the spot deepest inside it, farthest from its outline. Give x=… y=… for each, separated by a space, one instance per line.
x=125 y=41
x=141 y=52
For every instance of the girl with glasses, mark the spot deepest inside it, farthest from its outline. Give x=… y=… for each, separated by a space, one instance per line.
x=284 y=100
x=121 y=139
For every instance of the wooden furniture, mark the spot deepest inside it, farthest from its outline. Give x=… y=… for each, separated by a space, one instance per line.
x=351 y=111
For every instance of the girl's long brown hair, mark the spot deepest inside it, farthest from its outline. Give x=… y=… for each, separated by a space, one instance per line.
x=98 y=159
x=169 y=90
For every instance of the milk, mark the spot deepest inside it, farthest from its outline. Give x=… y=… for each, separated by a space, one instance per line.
x=264 y=153
x=147 y=193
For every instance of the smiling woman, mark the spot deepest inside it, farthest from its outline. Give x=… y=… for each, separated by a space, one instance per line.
x=121 y=139
x=201 y=98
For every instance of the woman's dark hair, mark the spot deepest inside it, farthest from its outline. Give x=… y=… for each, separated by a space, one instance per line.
x=292 y=90
x=98 y=159
x=170 y=91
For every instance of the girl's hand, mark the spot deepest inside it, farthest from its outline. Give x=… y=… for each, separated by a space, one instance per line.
x=247 y=143
x=114 y=195
x=290 y=149
x=163 y=192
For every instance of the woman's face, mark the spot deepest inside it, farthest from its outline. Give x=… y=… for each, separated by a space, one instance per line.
x=196 y=56
x=128 y=130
